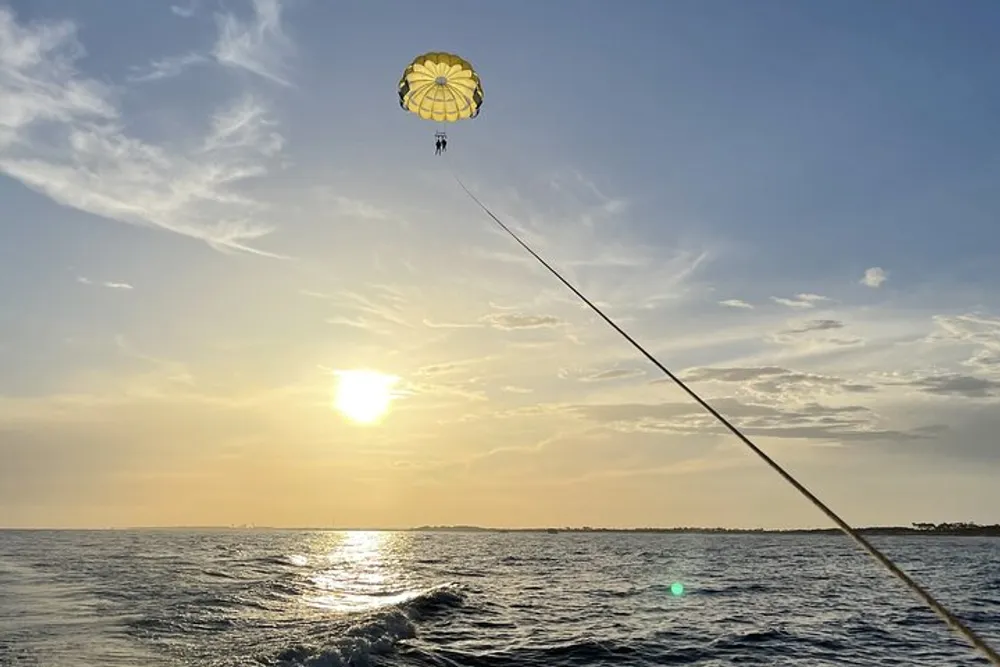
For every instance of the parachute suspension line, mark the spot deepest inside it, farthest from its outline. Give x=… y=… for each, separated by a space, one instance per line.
x=953 y=621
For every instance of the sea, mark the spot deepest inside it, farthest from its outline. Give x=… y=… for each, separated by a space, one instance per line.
x=150 y=598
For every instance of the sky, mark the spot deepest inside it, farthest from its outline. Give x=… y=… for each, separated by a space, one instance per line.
x=210 y=210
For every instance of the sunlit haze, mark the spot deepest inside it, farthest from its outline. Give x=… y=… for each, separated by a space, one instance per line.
x=238 y=287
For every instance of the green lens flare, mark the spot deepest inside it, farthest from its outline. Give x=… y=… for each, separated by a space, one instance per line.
x=677 y=588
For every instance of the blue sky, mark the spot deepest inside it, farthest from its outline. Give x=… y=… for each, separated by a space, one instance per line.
x=211 y=208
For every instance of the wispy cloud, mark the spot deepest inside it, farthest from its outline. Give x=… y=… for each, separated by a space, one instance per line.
x=382 y=303
x=815 y=325
x=969 y=329
x=736 y=303
x=166 y=68
x=60 y=135
x=601 y=376
x=258 y=45
x=575 y=187
x=512 y=321
x=244 y=124
x=812 y=338
x=431 y=324
x=185 y=12
x=874 y=277
x=613 y=374
x=83 y=280
x=38 y=83
x=974 y=334
x=800 y=301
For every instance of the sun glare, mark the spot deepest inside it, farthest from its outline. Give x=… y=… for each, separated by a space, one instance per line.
x=363 y=396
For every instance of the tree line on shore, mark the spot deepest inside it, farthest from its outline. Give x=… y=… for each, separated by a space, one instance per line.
x=916 y=528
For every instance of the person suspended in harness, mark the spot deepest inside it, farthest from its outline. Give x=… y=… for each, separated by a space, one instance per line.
x=437 y=147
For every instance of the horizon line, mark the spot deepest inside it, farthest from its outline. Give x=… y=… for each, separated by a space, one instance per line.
x=913 y=526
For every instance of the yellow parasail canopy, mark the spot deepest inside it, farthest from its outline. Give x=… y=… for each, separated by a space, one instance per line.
x=441 y=87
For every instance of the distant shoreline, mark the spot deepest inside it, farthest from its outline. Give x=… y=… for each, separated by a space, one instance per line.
x=921 y=529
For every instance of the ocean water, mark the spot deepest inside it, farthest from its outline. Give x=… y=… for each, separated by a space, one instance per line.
x=283 y=598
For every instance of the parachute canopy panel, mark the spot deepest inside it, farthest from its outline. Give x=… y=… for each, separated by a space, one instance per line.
x=441 y=87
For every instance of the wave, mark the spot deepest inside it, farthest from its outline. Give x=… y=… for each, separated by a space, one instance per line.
x=355 y=643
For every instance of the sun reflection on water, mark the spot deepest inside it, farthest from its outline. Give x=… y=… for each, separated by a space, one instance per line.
x=362 y=572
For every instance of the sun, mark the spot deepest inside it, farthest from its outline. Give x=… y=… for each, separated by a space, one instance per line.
x=363 y=396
